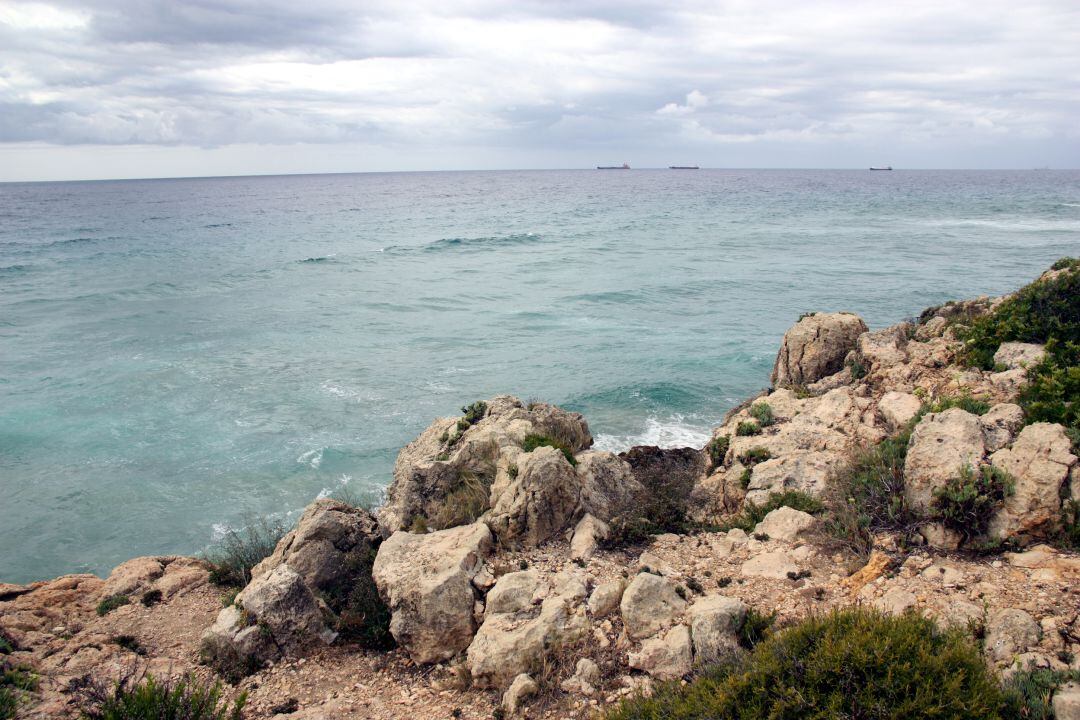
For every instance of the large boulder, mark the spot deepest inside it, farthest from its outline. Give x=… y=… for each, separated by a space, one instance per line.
x=329 y=541
x=941 y=445
x=459 y=460
x=516 y=634
x=275 y=615
x=1010 y=632
x=665 y=657
x=715 y=622
x=898 y=408
x=1040 y=461
x=426 y=581
x=1013 y=355
x=1000 y=425
x=785 y=523
x=649 y=603
x=815 y=347
x=540 y=500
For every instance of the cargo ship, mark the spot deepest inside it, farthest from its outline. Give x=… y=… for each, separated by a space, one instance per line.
x=683 y=167
x=887 y=167
x=624 y=166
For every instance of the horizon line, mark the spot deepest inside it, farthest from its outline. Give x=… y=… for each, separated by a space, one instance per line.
x=494 y=170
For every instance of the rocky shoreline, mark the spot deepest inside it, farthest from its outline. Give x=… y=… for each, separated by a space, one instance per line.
x=514 y=570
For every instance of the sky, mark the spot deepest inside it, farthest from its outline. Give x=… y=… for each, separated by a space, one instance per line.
x=159 y=88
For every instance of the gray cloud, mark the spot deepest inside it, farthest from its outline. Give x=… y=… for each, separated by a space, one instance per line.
x=939 y=83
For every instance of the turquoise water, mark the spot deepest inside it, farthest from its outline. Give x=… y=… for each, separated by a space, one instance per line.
x=179 y=356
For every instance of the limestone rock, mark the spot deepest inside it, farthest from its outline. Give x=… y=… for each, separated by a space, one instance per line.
x=785 y=523
x=942 y=444
x=649 y=603
x=426 y=581
x=608 y=484
x=667 y=657
x=1010 y=632
x=896 y=601
x=773 y=565
x=898 y=408
x=539 y=502
x=587 y=534
x=275 y=614
x=816 y=347
x=605 y=598
x=884 y=348
x=522 y=688
x=584 y=680
x=714 y=622
x=803 y=470
x=1040 y=461
x=448 y=462
x=509 y=643
x=514 y=592
x=1001 y=424
x=323 y=549
x=131 y=576
x=1015 y=355
x=1066 y=702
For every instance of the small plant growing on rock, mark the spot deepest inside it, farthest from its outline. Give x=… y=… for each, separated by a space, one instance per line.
x=857 y=368
x=151 y=598
x=755 y=627
x=761 y=537
x=475 y=412
x=130 y=642
x=110 y=603
x=723 y=582
x=752 y=513
x=746 y=428
x=241 y=550
x=464 y=504
x=512 y=471
x=745 y=478
x=695 y=585
x=152 y=699
x=15 y=682
x=717 y=449
x=754 y=455
x=763 y=413
x=681 y=592
x=531 y=442
x=968 y=502
x=973 y=405
x=1029 y=692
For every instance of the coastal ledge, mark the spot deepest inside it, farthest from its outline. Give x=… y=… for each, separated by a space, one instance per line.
x=930 y=467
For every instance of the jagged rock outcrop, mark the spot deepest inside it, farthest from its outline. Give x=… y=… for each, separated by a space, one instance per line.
x=516 y=633
x=815 y=347
x=1039 y=461
x=1000 y=425
x=427 y=582
x=941 y=446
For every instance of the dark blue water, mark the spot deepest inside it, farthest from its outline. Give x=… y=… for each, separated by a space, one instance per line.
x=178 y=356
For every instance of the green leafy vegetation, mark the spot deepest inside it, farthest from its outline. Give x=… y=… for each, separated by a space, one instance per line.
x=463 y=504
x=745 y=477
x=1046 y=311
x=754 y=455
x=858 y=368
x=967 y=503
x=16 y=681
x=966 y=402
x=1028 y=693
x=152 y=699
x=854 y=663
x=717 y=449
x=151 y=598
x=110 y=603
x=752 y=513
x=756 y=626
x=531 y=442
x=475 y=412
x=239 y=551
x=362 y=616
x=747 y=427
x=763 y=413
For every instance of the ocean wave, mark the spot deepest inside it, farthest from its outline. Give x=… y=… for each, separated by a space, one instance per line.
x=674 y=432
x=319 y=259
x=1013 y=225
x=481 y=243
x=14 y=269
x=312 y=458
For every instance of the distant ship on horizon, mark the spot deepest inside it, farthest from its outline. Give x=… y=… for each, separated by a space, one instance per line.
x=884 y=167
x=624 y=166
x=683 y=167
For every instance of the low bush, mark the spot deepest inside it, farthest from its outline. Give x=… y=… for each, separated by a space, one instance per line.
x=1028 y=693
x=717 y=449
x=464 y=504
x=363 y=617
x=754 y=455
x=475 y=412
x=858 y=368
x=151 y=598
x=867 y=494
x=967 y=503
x=110 y=603
x=152 y=699
x=753 y=513
x=966 y=402
x=854 y=663
x=15 y=682
x=239 y=551
x=747 y=427
x=756 y=626
x=531 y=442
x=762 y=412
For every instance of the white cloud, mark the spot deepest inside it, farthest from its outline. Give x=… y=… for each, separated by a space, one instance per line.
x=543 y=82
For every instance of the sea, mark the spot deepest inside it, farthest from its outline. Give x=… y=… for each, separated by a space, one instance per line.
x=182 y=357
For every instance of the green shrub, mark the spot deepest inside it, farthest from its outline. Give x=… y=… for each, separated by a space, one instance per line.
x=854 y=663
x=110 y=603
x=15 y=682
x=1028 y=693
x=717 y=449
x=475 y=412
x=151 y=598
x=966 y=402
x=762 y=412
x=858 y=368
x=363 y=617
x=756 y=626
x=867 y=494
x=1066 y=262
x=186 y=699
x=967 y=503
x=746 y=428
x=753 y=513
x=531 y=442
x=463 y=504
x=239 y=551
x=745 y=478
x=754 y=455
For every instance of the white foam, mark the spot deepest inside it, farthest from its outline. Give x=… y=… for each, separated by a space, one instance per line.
x=672 y=433
x=312 y=458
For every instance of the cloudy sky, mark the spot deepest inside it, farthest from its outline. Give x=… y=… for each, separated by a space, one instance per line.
x=140 y=88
